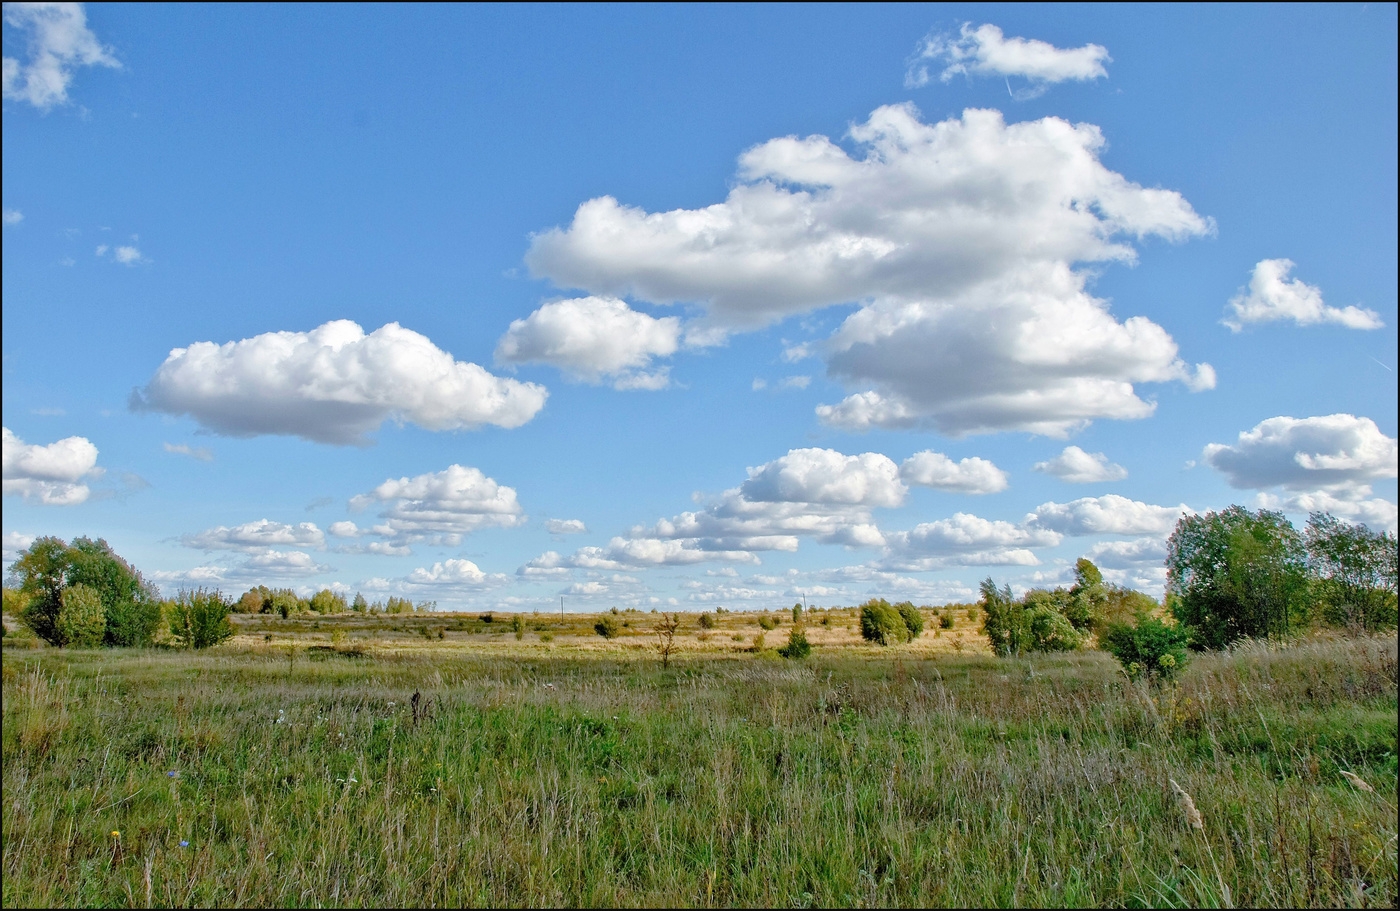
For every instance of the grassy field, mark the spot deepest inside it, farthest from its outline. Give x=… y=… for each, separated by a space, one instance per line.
x=441 y=760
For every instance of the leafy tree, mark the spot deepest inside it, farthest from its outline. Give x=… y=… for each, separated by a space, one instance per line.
x=326 y=601
x=359 y=605
x=1148 y=646
x=1003 y=619
x=255 y=601
x=199 y=619
x=797 y=612
x=1048 y=630
x=606 y=627
x=1088 y=597
x=913 y=620
x=82 y=622
x=130 y=605
x=1355 y=571
x=882 y=623
x=1235 y=574
x=666 y=637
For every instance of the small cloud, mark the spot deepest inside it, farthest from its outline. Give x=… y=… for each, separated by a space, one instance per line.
x=985 y=51
x=1273 y=297
x=565 y=526
x=759 y=384
x=201 y=453
x=795 y=382
x=1079 y=467
x=13 y=217
x=59 y=42
x=124 y=255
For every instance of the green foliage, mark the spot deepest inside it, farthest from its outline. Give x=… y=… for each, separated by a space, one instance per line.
x=797 y=613
x=326 y=601
x=1003 y=619
x=707 y=621
x=1048 y=630
x=766 y=622
x=606 y=627
x=199 y=619
x=130 y=605
x=913 y=619
x=797 y=646
x=1149 y=647
x=359 y=605
x=82 y=621
x=945 y=619
x=1235 y=574
x=1354 y=570
x=880 y=622
x=517 y=626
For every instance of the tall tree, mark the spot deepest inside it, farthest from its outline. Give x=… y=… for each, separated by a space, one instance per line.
x=1355 y=570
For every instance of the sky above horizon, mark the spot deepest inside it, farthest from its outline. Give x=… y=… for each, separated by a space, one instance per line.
x=691 y=306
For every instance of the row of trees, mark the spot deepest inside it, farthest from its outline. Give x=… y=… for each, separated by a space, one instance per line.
x=1231 y=575
x=285 y=601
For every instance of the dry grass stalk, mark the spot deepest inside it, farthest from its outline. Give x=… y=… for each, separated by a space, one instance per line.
x=1188 y=806
x=1356 y=780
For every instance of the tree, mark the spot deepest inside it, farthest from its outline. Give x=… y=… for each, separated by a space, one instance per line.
x=606 y=627
x=1148 y=646
x=359 y=605
x=1235 y=574
x=326 y=601
x=666 y=637
x=913 y=620
x=1354 y=570
x=1088 y=597
x=880 y=622
x=1002 y=619
x=130 y=605
x=82 y=622
x=199 y=619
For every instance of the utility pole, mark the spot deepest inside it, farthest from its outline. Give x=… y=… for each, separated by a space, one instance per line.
x=561 y=605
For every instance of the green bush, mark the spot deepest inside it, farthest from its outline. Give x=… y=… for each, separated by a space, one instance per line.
x=1047 y=630
x=766 y=622
x=606 y=627
x=913 y=619
x=1148 y=647
x=707 y=621
x=945 y=620
x=47 y=567
x=797 y=645
x=882 y=623
x=82 y=622
x=199 y=619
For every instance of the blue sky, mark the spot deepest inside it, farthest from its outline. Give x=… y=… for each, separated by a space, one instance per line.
x=690 y=306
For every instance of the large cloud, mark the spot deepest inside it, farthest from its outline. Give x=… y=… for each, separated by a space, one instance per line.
x=50 y=474
x=1079 y=467
x=439 y=506
x=1272 y=297
x=59 y=42
x=256 y=537
x=1337 y=452
x=959 y=238
x=1109 y=514
x=456 y=574
x=1328 y=464
x=333 y=384
x=592 y=339
x=826 y=476
x=985 y=51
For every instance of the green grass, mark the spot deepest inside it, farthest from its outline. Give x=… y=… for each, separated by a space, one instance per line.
x=552 y=777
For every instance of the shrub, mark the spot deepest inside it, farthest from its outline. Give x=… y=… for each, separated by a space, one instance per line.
x=707 y=621
x=913 y=619
x=766 y=622
x=879 y=622
x=82 y=622
x=1148 y=647
x=487 y=617
x=517 y=625
x=797 y=645
x=797 y=613
x=945 y=620
x=546 y=637
x=48 y=566
x=200 y=619
x=758 y=643
x=1047 y=630
x=606 y=627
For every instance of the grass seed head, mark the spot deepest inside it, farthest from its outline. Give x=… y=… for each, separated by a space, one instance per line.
x=1356 y=780
x=1188 y=806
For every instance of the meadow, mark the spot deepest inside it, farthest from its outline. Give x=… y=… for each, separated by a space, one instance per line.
x=415 y=760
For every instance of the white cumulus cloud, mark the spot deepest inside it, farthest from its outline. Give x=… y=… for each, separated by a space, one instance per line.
x=13 y=217
x=456 y=574
x=15 y=544
x=52 y=474
x=936 y=470
x=1079 y=467
x=959 y=239
x=58 y=42
x=442 y=506
x=1108 y=514
x=1272 y=297
x=966 y=540
x=333 y=384
x=593 y=339
x=826 y=476
x=985 y=51
x=565 y=526
x=257 y=537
